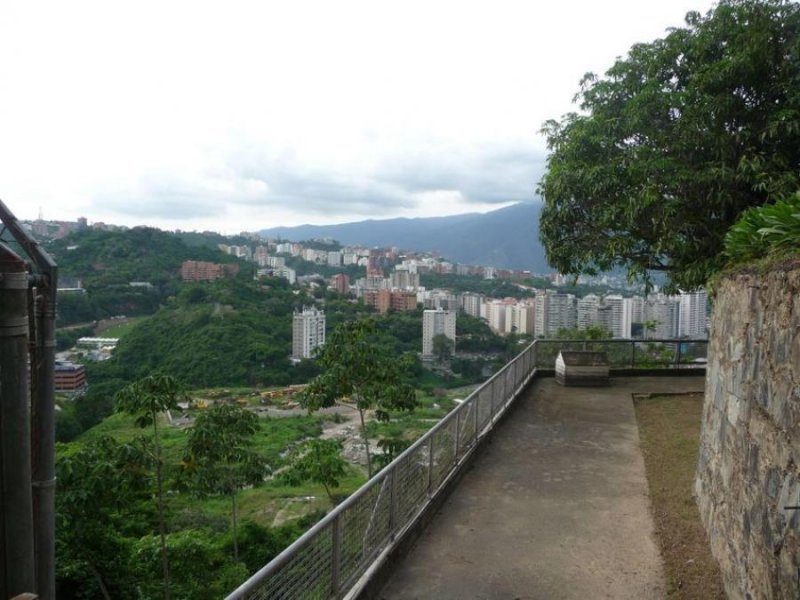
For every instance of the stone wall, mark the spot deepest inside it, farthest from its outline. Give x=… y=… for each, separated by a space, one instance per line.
x=748 y=471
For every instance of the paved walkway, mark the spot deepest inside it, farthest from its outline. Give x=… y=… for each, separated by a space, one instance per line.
x=556 y=506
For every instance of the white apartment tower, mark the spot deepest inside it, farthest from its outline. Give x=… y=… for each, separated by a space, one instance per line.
x=553 y=312
x=692 y=322
x=614 y=305
x=662 y=311
x=587 y=311
x=308 y=332
x=524 y=317
x=436 y=322
x=471 y=303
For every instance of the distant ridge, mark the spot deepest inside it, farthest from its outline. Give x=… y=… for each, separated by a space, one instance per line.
x=505 y=238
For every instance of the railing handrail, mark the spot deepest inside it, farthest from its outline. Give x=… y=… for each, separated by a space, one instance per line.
x=472 y=401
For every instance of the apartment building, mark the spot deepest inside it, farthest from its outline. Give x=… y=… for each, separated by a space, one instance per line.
x=437 y=322
x=308 y=332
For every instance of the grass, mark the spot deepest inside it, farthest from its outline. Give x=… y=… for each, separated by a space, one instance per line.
x=119 y=330
x=669 y=430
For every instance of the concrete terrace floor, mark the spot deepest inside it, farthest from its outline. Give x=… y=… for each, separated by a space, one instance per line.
x=555 y=506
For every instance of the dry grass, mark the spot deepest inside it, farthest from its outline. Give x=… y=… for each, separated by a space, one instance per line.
x=669 y=429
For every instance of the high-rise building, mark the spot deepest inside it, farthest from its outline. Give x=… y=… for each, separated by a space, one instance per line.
x=405 y=277
x=496 y=315
x=587 y=311
x=692 y=323
x=470 y=303
x=440 y=299
x=437 y=322
x=614 y=313
x=554 y=311
x=524 y=321
x=308 y=332
x=632 y=312
x=380 y=300
x=341 y=283
x=662 y=315
x=334 y=258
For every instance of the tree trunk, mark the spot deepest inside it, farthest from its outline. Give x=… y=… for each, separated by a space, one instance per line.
x=100 y=582
x=324 y=483
x=366 y=442
x=235 y=533
x=162 y=529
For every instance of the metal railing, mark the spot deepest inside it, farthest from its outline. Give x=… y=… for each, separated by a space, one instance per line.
x=328 y=560
x=635 y=354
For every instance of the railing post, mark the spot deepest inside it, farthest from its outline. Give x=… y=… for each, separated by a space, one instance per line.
x=430 y=465
x=458 y=434
x=336 y=555
x=491 y=397
x=477 y=402
x=393 y=502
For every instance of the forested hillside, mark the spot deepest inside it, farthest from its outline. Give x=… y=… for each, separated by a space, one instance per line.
x=106 y=262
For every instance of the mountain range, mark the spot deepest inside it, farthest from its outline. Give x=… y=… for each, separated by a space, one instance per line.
x=505 y=238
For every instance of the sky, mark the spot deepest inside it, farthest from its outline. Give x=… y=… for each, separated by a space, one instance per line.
x=237 y=116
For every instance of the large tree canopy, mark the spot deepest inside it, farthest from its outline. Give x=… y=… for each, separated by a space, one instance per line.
x=674 y=142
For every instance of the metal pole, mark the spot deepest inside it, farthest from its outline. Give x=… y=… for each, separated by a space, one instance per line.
x=42 y=463
x=458 y=434
x=15 y=442
x=44 y=474
x=430 y=465
x=336 y=555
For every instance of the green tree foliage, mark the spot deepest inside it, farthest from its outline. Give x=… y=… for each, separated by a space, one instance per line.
x=492 y=288
x=146 y=399
x=318 y=461
x=98 y=488
x=220 y=456
x=765 y=230
x=202 y=567
x=474 y=335
x=231 y=332
x=442 y=347
x=355 y=368
x=107 y=261
x=675 y=142
x=260 y=544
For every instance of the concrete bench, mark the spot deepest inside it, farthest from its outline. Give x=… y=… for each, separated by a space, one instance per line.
x=575 y=368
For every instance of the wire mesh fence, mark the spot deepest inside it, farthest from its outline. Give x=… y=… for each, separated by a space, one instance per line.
x=329 y=558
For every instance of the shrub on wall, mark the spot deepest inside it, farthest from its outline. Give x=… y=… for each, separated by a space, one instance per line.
x=768 y=230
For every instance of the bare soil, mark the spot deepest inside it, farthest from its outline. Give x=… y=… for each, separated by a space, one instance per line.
x=669 y=430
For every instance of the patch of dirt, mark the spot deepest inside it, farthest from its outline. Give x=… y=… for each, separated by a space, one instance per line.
x=669 y=430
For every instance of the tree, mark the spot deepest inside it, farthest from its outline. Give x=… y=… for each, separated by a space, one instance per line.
x=147 y=399
x=675 y=141
x=97 y=486
x=442 y=347
x=356 y=367
x=319 y=461
x=220 y=460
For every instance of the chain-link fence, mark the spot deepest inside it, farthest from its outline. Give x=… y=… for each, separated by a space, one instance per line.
x=329 y=558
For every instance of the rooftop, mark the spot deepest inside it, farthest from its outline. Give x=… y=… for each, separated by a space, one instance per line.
x=555 y=506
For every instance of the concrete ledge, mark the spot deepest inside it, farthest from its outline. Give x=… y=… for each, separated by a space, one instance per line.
x=649 y=372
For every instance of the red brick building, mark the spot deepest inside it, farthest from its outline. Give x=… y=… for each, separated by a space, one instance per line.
x=383 y=300
x=197 y=270
x=69 y=378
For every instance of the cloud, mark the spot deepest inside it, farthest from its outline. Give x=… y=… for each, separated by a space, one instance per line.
x=392 y=181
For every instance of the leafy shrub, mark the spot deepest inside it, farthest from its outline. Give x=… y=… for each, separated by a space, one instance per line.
x=771 y=229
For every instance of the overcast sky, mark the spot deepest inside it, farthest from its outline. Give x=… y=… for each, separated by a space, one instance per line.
x=238 y=116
